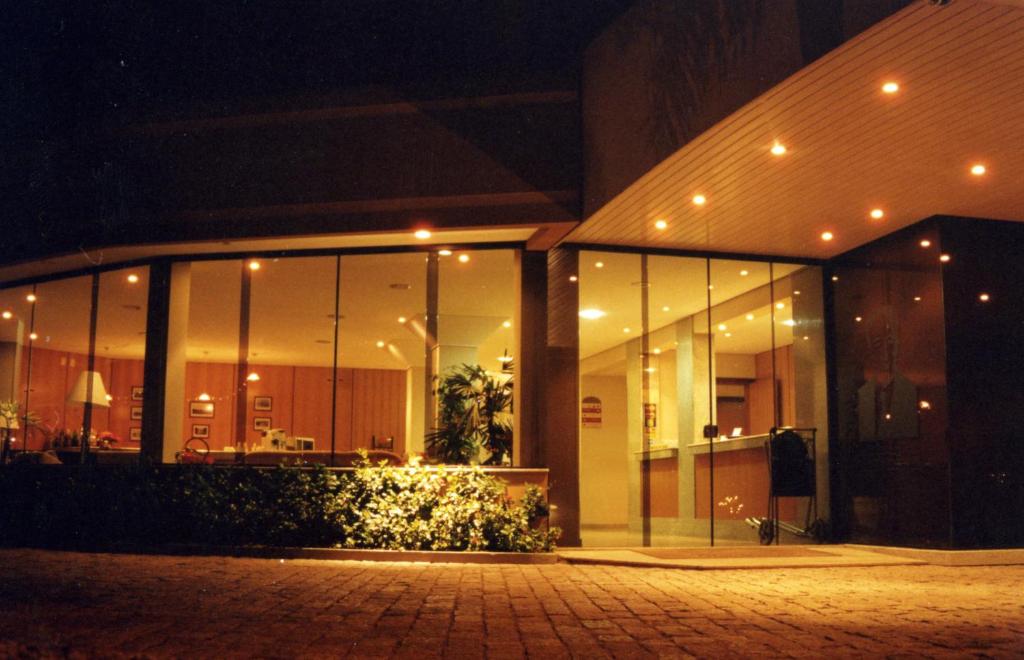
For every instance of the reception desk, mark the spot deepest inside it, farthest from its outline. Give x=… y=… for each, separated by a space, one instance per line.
x=741 y=473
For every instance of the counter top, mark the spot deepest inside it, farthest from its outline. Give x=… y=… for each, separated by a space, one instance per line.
x=730 y=444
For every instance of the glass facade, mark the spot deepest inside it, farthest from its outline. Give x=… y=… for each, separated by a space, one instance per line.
x=674 y=350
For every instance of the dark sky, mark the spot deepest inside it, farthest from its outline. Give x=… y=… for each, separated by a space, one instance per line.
x=73 y=62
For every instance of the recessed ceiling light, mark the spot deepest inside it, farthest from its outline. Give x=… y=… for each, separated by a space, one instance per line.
x=984 y=297
x=917 y=298
x=744 y=273
x=7 y=315
x=381 y=343
x=778 y=149
x=858 y=319
x=507 y=324
x=835 y=278
x=925 y=243
x=700 y=200
x=728 y=334
x=31 y=297
x=666 y=308
x=877 y=214
x=711 y=287
x=891 y=87
x=789 y=322
x=422 y=234
x=806 y=337
x=592 y=314
x=722 y=326
x=750 y=317
x=253 y=265
x=657 y=351
x=33 y=336
x=780 y=305
x=827 y=236
x=944 y=258
x=402 y=319
x=445 y=253
x=978 y=169
x=796 y=293
x=598 y=264
x=133 y=278
x=661 y=225
x=626 y=330
x=924 y=405
x=463 y=258
x=573 y=278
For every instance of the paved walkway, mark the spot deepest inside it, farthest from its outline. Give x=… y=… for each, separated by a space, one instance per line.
x=57 y=604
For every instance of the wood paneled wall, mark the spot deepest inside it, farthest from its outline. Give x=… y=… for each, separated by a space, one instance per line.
x=759 y=393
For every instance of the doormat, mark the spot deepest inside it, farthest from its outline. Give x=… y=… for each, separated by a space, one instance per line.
x=733 y=553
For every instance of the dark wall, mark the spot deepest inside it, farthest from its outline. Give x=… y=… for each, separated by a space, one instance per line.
x=985 y=360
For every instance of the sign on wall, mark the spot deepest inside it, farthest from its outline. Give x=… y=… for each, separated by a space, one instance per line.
x=591 y=412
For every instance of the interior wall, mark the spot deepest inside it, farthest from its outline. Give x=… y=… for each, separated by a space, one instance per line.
x=604 y=455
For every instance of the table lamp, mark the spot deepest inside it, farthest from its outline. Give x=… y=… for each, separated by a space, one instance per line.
x=88 y=389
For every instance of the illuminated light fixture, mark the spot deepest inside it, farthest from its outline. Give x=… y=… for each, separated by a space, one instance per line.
x=657 y=351
x=944 y=258
x=573 y=278
x=728 y=334
x=445 y=253
x=666 y=308
x=381 y=344
x=744 y=273
x=722 y=326
x=31 y=297
x=806 y=337
x=827 y=236
x=978 y=170
x=504 y=359
x=33 y=336
x=7 y=315
x=626 y=330
x=835 y=278
x=750 y=317
x=796 y=293
x=780 y=305
x=700 y=200
x=778 y=149
x=402 y=319
x=253 y=377
x=888 y=415
x=422 y=234
x=592 y=314
x=661 y=225
x=925 y=243
x=109 y=398
x=203 y=397
x=507 y=324
x=877 y=214
x=858 y=319
x=917 y=298
x=711 y=287
x=254 y=265
x=134 y=279
x=984 y=297
x=789 y=322
x=598 y=264
x=463 y=258
x=890 y=87
x=650 y=370
x=924 y=405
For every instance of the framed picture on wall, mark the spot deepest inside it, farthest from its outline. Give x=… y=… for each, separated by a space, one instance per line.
x=263 y=403
x=136 y=392
x=136 y=413
x=135 y=434
x=201 y=431
x=260 y=423
x=200 y=409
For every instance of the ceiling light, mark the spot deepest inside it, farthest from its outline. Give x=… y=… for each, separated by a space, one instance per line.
x=917 y=298
x=203 y=397
x=984 y=297
x=806 y=337
x=778 y=149
x=796 y=293
x=598 y=264
x=507 y=324
x=858 y=319
x=722 y=326
x=133 y=278
x=422 y=234
x=463 y=258
x=592 y=314
x=891 y=87
x=31 y=297
x=789 y=322
x=402 y=319
x=835 y=278
x=381 y=343
x=666 y=308
x=877 y=214
x=827 y=236
x=924 y=405
x=650 y=370
x=626 y=330
x=573 y=278
x=780 y=305
x=253 y=377
x=728 y=334
x=925 y=243
x=944 y=258
x=33 y=336
x=978 y=170
x=711 y=287
x=445 y=253
x=253 y=265
x=657 y=351
x=7 y=315
x=750 y=317
x=700 y=200
x=661 y=225
x=744 y=273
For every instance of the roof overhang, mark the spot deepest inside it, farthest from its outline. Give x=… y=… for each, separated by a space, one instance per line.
x=850 y=147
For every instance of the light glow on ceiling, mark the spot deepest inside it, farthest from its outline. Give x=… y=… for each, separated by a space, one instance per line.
x=700 y=200
x=827 y=236
x=661 y=225
x=133 y=278
x=978 y=169
x=890 y=87
x=381 y=343
x=778 y=149
x=877 y=214
x=598 y=264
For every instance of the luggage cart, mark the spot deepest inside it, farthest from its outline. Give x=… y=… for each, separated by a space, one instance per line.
x=791 y=473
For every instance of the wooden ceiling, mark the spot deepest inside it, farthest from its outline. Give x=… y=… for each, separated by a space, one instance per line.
x=851 y=148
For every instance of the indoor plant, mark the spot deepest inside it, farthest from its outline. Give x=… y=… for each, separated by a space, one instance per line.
x=474 y=412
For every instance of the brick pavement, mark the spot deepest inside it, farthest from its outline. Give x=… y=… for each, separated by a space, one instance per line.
x=83 y=605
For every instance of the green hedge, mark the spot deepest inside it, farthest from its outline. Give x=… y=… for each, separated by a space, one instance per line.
x=91 y=507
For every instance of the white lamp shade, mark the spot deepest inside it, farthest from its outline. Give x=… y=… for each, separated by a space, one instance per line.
x=81 y=393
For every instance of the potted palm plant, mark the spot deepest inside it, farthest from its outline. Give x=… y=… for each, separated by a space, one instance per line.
x=474 y=412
